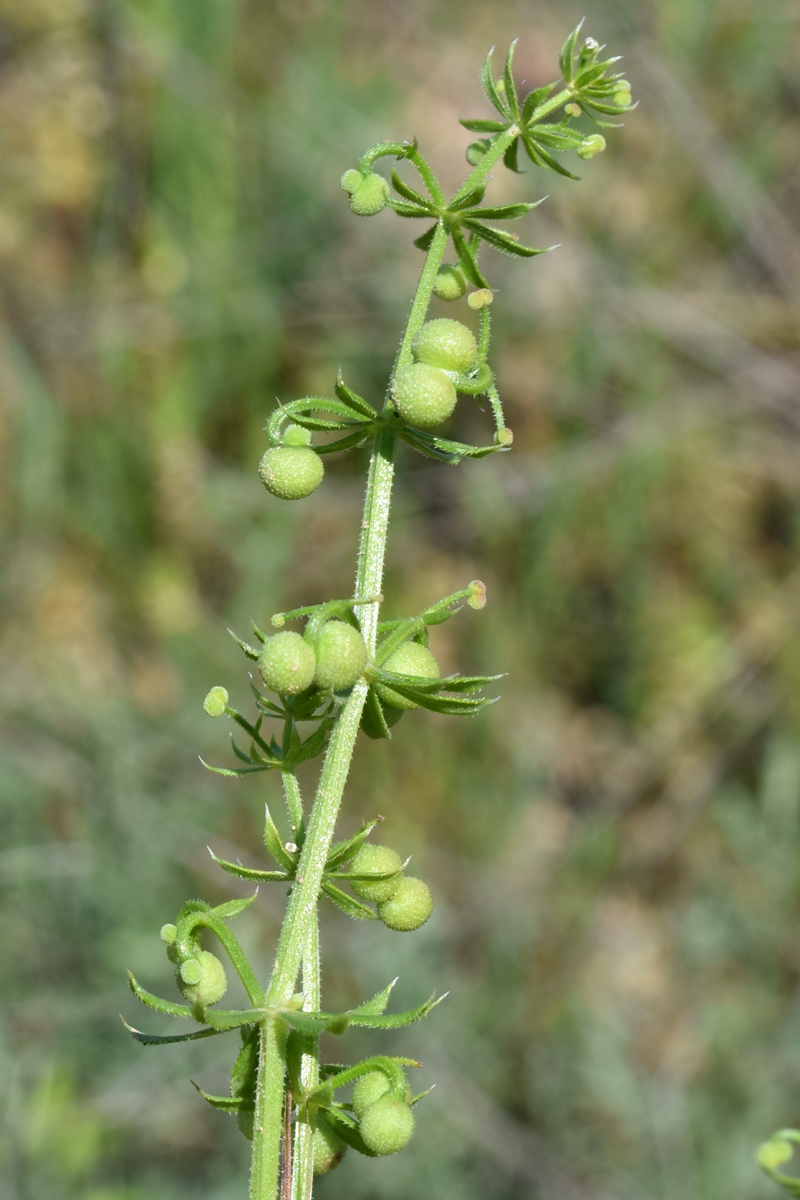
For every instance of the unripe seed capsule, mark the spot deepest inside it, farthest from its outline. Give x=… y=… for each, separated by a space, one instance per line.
x=215 y=702
x=202 y=979
x=409 y=907
x=369 y=1088
x=423 y=395
x=370 y=196
x=296 y=435
x=408 y=659
x=287 y=663
x=376 y=860
x=327 y=1149
x=595 y=144
x=351 y=181
x=445 y=343
x=341 y=656
x=449 y=283
x=168 y=934
x=291 y=472
x=387 y=1126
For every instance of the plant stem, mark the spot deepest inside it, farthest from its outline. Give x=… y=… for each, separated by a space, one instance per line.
x=301 y=912
x=302 y=1149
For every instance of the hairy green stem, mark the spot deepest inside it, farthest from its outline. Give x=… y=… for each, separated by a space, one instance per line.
x=301 y=912
x=302 y=1147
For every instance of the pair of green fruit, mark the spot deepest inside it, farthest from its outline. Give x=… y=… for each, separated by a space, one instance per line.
x=423 y=393
x=290 y=663
x=200 y=975
x=386 y=1123
x=404 y=903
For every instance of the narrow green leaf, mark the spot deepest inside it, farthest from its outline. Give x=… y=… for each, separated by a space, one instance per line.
x=152 y=1039
x=492 y=94
x=469 y=264
x=231 y=1104
x=310 y=1023
x=343 y=851
x=313 y=745
x=377 y=1004
x=409 y=194
x=472 y=198
x=408 y=210
x=274 y=843
x=232 y=908
x=558 y=137
x=505 y=212
x=424 y=242
x=567 y=52
x=348 y=904
x=221 y=1020
x=352 y=400
x=373 y=718
x=538 y=154
x=240 y=754
x=345 y=443
x=156 y=1003
x=508 y=81
x=511 y=157
x=250 y=651
x=533 y=100
x=502 y=240
x=236 y=773
x=347 y=1129
x=482 y=126
x=395 y=1020
x=244 y=1074
x=248 y=872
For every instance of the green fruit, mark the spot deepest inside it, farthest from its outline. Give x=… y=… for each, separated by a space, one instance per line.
x=370 y=196
x=445 y=343
x=476 y=151
x=351 y=181
x=287 y=663
x=408 y=659
x=296 y=435
x=376 y=860
x=423 y=395
x=215 y=702
x=409 y=907
x=202 y=979
x=168 y=934
x=593 y=145
x=449 y=283
x=327 y=1149
x=368 y=1089
x=341 y=656
x=291 y=472
x=387 y=1126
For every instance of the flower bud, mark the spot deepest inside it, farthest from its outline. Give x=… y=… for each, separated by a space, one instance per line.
x=296 y=435
x=202 y=979
x=341 y=656
x=287 y=663
x=449 y=283
x=370 y=197
x=481 y=298
x=572 y=109
x=503 y=437
x=327 y=1149
x=376 y=860
x=351 y=181
x=168 y=934
x=291 y=472
x=445 y=343
x=594 y=144
x=409 y=907
x=423 y=395
x=368 y=1089
x=476 y=151
x=387 y=1126
x=408 y=659
x=215 y=702
x=477 y=594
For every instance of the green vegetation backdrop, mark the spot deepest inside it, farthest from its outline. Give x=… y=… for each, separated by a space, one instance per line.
x=613 y=847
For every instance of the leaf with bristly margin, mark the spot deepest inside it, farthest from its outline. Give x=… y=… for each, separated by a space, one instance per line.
x=480 y=126
x=232 y=908
x=508 y=81
x=424 y=241
x=558 y=137
x=408 y=210
x=408 y=192
x=338 y=1022
x=373 y=719
x=443 y=449
x=505 y=212
x=537 y=154
x=343 y=851
x=492 y=94
x=376 y=1006
x=264 y=705
x=262 y=637
x=470 y=200
x=152 y=1039
x=354 y=401
x=503 y=241
x=511 y=158
x=273 y=842
x=244 y=1074
x=340 y=408
x=348 y=904
x=248 y=872
x=340 y=1123
x=395 y=1020
x=567 y=52
x=156 y=1003
x=236 y=772
x=250 y=651
x=245 y=758
x=313 y=745
x=345 y=443
x=224 y=1019
x=533 y=100
x=231 y=1104
x=469 y=264
x=366 y=877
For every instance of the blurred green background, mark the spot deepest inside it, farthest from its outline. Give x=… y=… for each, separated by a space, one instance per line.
x=614 y=846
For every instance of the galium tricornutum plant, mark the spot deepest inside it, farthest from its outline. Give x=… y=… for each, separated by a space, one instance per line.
x=342 y=667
